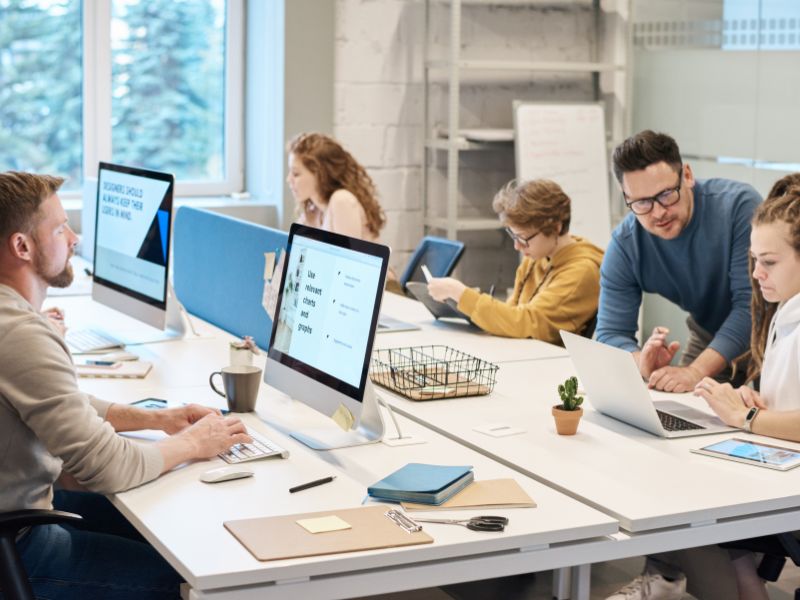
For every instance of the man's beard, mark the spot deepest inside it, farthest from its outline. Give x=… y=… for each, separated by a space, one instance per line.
x=60 y=280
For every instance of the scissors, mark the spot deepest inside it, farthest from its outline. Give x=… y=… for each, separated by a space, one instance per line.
x=484 y=523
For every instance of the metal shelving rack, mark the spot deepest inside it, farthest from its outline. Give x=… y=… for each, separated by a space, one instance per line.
x=610 y=77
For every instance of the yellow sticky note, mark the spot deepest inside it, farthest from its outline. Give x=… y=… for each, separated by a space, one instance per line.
x=324 y=524
x=343 y=418
x=269 y=265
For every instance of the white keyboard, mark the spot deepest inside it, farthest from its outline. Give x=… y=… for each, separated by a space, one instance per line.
x=260 y=448
x=86 y=340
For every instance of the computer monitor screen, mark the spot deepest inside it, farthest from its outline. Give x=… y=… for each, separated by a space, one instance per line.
x=132 y=240
x=328 y=308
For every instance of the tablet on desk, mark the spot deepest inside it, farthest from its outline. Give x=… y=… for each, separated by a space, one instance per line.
x=440 y=310
x=753 y=453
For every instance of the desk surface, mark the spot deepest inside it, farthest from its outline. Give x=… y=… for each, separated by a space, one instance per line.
x=183 y=517
x=644 y=481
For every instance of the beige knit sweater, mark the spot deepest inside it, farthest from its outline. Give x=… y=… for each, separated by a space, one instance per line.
x=48 y=424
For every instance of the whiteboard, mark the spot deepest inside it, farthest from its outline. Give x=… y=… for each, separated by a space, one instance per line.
x=567 y=143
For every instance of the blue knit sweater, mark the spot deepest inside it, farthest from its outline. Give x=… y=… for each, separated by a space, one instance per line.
x=704 y=270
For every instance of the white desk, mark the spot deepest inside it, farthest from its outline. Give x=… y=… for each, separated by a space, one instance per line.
x=457 y=334
x=183 y=517
x=663 y=496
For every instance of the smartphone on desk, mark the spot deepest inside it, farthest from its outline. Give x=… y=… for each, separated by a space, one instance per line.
x=159 y=403
x=150 y=403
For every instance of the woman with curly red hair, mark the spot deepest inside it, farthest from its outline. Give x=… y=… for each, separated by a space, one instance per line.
x=333 y=191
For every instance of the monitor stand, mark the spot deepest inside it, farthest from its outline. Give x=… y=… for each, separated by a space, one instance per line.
x=369 y=430
x=175 y=325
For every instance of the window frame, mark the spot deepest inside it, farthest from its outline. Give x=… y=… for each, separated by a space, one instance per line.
x=97 y=99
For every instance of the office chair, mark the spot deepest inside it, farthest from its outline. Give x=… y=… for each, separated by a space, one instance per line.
x=440 y=255
x=591 y=325
x=775 y=549
x=13 y=578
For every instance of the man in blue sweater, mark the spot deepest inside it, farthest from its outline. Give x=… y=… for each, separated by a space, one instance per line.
x=688 y=241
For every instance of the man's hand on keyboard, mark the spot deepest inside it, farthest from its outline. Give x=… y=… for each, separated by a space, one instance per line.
x=213 y=434
x=174 y=420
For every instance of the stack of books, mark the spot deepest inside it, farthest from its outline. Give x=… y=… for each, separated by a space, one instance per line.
x=422 y=484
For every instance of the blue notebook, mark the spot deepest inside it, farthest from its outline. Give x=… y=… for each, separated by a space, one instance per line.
x=425 y=484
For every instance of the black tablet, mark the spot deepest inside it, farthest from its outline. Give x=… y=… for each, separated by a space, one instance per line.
x=440 y=310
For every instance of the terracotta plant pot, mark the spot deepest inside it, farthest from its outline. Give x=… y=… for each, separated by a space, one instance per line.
x=567 y=420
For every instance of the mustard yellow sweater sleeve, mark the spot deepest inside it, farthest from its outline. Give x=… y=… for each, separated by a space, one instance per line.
x=567 y=299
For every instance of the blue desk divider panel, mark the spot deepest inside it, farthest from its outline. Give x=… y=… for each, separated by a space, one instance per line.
x=218 y=270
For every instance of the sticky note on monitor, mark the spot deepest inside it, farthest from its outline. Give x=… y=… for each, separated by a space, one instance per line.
x=324 y=524
x=343 y=417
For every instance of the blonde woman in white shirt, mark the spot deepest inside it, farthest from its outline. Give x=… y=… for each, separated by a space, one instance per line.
x=775 y=340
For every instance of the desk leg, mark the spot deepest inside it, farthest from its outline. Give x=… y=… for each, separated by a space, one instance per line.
x=581 y=582
x=562 y=582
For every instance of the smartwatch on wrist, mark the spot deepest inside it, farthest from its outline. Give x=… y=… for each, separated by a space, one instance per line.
x=749 y=418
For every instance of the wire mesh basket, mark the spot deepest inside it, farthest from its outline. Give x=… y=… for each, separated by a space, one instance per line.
x=432 y=372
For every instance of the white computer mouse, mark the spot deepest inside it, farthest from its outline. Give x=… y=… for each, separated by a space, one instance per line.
x=225 y=474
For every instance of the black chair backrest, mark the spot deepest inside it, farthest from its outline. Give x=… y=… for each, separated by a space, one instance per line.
x=591 y=325
x=440 y=255
x=13 y=578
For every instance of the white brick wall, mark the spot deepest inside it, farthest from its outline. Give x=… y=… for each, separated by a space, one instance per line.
x=379 y=107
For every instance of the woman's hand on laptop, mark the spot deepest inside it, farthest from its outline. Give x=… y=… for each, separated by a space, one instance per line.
x=723 y=400
x=750 y=397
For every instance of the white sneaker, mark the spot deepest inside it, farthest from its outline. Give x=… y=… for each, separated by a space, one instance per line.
x=652 y=586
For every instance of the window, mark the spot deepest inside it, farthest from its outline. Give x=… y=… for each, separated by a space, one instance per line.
x=155 y=83
x=41 y=102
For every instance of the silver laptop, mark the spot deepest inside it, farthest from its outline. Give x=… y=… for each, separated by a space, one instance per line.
x=615 y=388
x=387 y=324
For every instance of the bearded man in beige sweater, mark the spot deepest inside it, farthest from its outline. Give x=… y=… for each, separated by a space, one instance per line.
x=49 y=427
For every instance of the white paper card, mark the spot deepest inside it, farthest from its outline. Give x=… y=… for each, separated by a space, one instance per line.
x=498 y=429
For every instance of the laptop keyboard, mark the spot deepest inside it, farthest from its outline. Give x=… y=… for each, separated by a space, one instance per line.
x=86 y=340
x=260 y=448
x=673 y=423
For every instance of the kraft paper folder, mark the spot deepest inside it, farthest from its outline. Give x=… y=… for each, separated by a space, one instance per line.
x=274 y=538
x=489 y=493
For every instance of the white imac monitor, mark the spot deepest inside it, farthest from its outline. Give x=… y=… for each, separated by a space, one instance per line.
x=132 y=245
x=321 y=343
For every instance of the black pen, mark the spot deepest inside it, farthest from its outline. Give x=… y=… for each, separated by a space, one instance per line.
x=310 y=484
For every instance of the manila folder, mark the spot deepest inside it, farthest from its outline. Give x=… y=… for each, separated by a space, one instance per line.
x=274 y=538
x=486 y=493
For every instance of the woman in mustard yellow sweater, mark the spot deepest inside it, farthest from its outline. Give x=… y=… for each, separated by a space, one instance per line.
x=558 y=282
